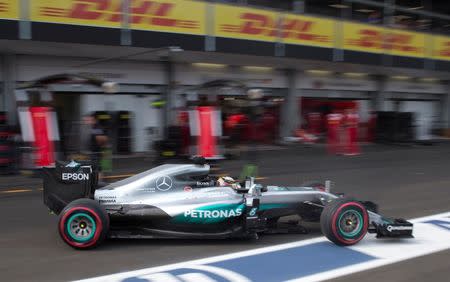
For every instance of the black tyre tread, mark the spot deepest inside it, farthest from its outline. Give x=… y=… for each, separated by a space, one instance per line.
x=90 y=203
x=327 y=215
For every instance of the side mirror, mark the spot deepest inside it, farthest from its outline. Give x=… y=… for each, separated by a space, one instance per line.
x=253 y=189
x=249 y=182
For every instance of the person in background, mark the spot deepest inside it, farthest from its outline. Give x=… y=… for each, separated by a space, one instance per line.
x=94 y=142
x=334 y=122
x=372 y=126
x=351 y=121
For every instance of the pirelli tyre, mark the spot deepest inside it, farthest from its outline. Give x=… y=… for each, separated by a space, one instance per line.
x=344 y=221
x=83 y=224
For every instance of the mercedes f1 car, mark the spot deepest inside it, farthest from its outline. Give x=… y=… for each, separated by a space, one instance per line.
x=185 y=201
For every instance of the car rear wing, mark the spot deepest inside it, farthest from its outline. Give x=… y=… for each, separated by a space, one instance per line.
x=68 y=181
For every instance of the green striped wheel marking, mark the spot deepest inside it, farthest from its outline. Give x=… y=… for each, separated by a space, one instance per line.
x=81 y=227
x=350 y=223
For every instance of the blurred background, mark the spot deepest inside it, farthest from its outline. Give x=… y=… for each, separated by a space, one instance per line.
x=172 y=79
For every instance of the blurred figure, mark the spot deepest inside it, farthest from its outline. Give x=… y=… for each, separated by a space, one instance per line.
x=183 y=122
x=95 y=144
x=351 y=121
x=255 y=112
x=371 y=127
x=268 y=127
x=8 y=157
x=235 y=124
x=314 y=122
x=334 y=122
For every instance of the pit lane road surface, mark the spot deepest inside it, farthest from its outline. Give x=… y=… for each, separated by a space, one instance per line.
x=303 y=261
x=408 y=182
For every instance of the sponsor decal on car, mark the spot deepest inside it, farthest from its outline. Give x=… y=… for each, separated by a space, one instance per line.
x=164 y=183
x=213 y=213
x=391 y=228
x=107 y=199
x=253 y=212
x=75 y=176
x=203 y=183
x=210 y=214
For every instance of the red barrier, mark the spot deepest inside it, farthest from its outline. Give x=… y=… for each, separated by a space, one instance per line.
x=44 y=147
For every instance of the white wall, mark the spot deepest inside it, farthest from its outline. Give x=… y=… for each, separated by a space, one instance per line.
x=34 y=67
x=426 y=114
x=144 y=115
x=415 y=87
x=317 y=82
x=188 y=74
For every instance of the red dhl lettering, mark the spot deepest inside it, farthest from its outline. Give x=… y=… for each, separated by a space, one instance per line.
x=141 y=11
x=145 y=9
x=89 y=9
x=3 y=7
x=446 y=51
x=258 y=24
x=370 y=38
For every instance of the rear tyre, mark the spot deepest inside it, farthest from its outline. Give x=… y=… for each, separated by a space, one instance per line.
x=344 y=221
x=83 y=224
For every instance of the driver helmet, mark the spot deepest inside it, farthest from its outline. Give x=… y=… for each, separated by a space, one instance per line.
x=228 y=181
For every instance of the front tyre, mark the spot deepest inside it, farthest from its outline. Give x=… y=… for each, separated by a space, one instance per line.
x=83 y=224
x=344 y=221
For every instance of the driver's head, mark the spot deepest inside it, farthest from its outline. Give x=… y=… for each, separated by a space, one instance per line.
x=228 y=181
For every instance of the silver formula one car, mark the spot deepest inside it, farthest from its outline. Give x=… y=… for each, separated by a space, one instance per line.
x=184 y=201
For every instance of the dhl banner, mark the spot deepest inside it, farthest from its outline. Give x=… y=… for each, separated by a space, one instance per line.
x=178 y=16
x=189 y=17
x=162 y=15
x=373 y=39
x=307 y=30
x=9 y=9
x=245 y=23
x=404 y=43
x=263 y=25
x=441 y=48
x=105 y=13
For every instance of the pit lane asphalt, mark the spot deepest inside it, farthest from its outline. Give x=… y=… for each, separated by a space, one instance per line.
x=405 y=181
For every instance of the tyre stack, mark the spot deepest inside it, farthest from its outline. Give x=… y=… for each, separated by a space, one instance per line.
x=123 y=134
x=394 y=127
x=7 y=149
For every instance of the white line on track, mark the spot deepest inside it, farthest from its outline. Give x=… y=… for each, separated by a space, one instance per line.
x=428 y=239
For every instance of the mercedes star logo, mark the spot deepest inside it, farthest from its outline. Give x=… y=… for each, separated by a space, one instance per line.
x=163 y=183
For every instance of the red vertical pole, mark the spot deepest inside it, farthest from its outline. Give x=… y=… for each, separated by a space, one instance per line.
x=42 y=143
x=206 y=140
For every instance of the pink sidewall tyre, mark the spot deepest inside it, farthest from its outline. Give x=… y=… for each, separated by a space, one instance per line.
x=344 y=221
x=83 y=224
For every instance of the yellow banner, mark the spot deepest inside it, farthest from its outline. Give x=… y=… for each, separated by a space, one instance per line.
x=373 y=39
x=189 y=17
x=178 y=16
x=263 y=25
x=105 y=13
x=305 y=30
x=360 y=37
x=245 y=23
x=441 y=48
x=9 y=9
x=404 y=43
x=162 y=15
